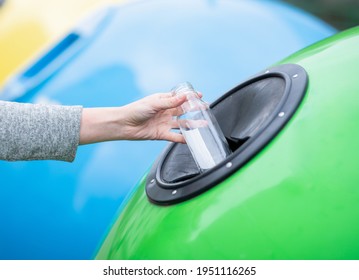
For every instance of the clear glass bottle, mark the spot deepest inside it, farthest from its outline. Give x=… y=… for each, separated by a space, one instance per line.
x=200 y=128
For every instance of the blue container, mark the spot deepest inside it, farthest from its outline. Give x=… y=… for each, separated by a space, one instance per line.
x=57 y=210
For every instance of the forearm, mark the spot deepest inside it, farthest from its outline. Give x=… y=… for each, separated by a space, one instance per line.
x=104 y=124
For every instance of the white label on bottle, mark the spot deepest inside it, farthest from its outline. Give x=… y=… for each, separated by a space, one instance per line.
x=199 y=149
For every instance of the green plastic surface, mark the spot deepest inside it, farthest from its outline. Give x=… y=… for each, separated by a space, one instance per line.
x=297 y=199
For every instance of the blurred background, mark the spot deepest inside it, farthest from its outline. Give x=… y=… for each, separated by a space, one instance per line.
x=341 y=14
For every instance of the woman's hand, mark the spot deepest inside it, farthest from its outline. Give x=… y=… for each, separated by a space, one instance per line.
x=150 y=118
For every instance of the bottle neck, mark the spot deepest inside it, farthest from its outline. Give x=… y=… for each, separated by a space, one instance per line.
x=193 y=99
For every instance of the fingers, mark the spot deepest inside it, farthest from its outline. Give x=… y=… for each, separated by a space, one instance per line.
x=177 y=111
x=174 y=124
x=165 y=101
x=175 y=137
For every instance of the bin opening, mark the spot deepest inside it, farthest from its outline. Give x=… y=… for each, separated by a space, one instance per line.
x=240 y=115
x=243 y=113
x=250 y=115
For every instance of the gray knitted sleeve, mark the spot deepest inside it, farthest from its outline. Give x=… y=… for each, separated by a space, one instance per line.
x=36 y=131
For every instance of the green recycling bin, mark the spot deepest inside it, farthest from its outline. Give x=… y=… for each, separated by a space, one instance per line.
x=289 y=190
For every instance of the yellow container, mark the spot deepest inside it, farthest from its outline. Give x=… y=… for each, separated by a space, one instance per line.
x=27 y=27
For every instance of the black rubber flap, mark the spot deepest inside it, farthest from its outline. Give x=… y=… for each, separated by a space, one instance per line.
x=250 y=115
x=178 y=165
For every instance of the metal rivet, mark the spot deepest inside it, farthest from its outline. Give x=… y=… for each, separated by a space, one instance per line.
x=152 y=181
x=281 y=114
x=174 y=192
x=229 y=164
x=295 y=75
